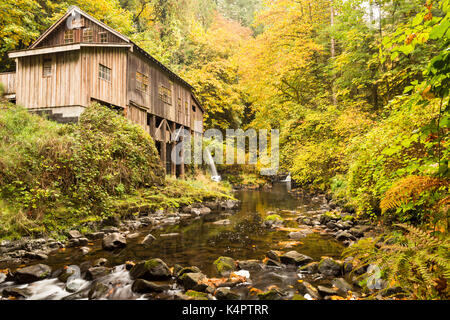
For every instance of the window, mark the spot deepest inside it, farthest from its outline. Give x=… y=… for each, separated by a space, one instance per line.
x=180 y=107
x=141 y=82
x=193 y=108
x=103 y=37
x=47 y=68
x=165 y=94
x=104 y=72
x=87 y=35
x=68 y=36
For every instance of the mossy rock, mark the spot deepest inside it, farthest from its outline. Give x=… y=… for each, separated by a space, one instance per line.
x=330 y=267
x=225 y=265
x=274 y=217
x=197 y=295
x=298 y=297
x=272 y=294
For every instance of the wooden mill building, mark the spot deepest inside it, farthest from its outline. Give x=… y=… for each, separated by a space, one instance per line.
x=80 y=60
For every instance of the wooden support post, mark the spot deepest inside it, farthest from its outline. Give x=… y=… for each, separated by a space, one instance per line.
x=173 y=166
x=163 y=144
x=182 y=159
x=152 y=126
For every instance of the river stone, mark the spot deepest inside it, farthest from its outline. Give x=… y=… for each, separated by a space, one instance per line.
x=306 y=288
x=114 y=241
x=273 y=254
x=32 y=273
x=190 y=281
x=293 y=257
x=330 y=267
x=16 y=292
x=36 y=256
x=249 y=265
x=169 y=235
x=312 y=267
x=100 y=262
x=344 y=235
x=85 y=250
x=95 y=273
x=75 y=285
x=95 y=235
x=2 y=277
x=325 y=291
x=192 y=269
x=297 y=235
x=223 y=222
x=273 y=263
x=73 y=234
x=226 y=294
x=359 y=230
x=98 y=290
x=144 y=286
x=272 y=294
x=148 y=239
x=225 y=265
x=153 y=269
x=342 y=286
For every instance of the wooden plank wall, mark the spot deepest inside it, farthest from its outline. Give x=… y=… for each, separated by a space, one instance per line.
x=62 y=88
x=112 y=92
x=138 y=116
x=8 y=79
x=150 y=100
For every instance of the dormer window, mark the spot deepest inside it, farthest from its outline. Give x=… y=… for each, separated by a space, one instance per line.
x=68 y=36
x=87 y=35
x=103 y=37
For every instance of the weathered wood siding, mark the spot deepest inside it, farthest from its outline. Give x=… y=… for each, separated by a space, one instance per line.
x=61 y=88
x=196 y=116
x=56 y=37
x=150 y=100
x=8 y=79
x=93 y=87
x=138 y=116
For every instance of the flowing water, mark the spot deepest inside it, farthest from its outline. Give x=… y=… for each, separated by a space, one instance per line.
x=200 y=242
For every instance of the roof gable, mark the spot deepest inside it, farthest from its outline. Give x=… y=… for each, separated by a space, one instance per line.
x=71 y=15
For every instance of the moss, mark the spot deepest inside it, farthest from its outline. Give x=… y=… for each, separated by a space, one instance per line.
x=273 y=217
x=298 y=297
x=152 y=263
x=224 y=265
x=269 y=295
x=197 y=295
x=348 y=218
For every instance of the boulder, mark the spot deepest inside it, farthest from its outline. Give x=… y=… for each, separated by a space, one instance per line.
x=325 y=291
x=272 y=294
x=153 y=269
x=32 y=273
x=330 y=267
x=144 y=286
x=114 y=241
x=225 y=265
x=98 y=290
x=293 y=257
x=36 y=256
x=273 y=263
x=95 y=235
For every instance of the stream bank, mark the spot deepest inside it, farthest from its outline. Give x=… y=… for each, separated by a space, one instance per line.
x=232 y=250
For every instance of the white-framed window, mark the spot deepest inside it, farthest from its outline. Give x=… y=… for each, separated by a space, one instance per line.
x=104 y=72
x=68 y=36
x=142 y=82
x=87 y=35
x=47 y=67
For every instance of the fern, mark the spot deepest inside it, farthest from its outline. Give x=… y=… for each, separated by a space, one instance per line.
x=414 y=260
x=409 y=189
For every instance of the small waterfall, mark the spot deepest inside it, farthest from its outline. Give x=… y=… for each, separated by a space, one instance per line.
x=287 y=179
x=214 y=175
